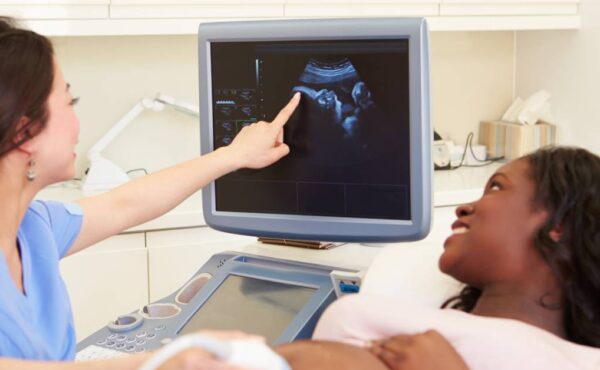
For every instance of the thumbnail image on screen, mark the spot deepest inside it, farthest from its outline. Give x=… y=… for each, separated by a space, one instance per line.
x=349 y=138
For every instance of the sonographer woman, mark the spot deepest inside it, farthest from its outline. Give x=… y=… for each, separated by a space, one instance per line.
x=38 y=134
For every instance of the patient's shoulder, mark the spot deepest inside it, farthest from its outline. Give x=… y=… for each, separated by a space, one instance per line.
x=360 y=318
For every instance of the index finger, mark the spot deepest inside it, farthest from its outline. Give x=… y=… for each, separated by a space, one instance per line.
x=284 y=115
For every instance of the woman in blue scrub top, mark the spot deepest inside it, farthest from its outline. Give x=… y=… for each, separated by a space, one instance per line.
x=38 y=134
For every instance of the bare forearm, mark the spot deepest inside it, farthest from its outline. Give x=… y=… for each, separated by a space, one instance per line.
x=255 y=146
x=125 y=363
x=162 y=191
x=146 y=198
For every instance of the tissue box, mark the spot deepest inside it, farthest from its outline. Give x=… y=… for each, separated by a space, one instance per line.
x=511 y=140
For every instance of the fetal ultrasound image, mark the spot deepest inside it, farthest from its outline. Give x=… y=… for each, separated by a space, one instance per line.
x=341 y=97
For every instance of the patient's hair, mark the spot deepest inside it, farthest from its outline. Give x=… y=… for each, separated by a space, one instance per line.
x=26 y=78
x=567 y=183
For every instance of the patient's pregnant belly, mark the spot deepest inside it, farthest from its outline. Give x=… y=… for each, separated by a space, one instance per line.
x=484 y=343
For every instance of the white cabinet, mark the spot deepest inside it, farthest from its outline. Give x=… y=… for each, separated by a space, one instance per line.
x=55 y=9
x=163 y=17
x=508 y=7
x=201 y=9
x=354 y=8
x=127 y=271
x=469 y=15
x=175 y=255
x=106 y=280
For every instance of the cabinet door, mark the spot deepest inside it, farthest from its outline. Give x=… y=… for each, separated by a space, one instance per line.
x=508 y=7
x=55 y=9
x=358 y=8
x=106 y=280
x=202 y=9
x=175 y=255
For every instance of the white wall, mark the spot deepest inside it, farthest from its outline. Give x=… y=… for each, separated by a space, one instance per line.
x=111 y=74
x=472 y=79
x=567 y=64
x=472 y=76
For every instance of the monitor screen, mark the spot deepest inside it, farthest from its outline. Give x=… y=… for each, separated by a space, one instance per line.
x=252 y=305
x=356 y=167
x=352 y=121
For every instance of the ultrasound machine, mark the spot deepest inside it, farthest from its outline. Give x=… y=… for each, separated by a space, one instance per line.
x=359 y=170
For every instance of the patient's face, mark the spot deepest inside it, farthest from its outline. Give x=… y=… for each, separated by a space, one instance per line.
x=493 y=237
x=317 y=355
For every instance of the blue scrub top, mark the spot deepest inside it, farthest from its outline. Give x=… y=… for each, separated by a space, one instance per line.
x=39 y=325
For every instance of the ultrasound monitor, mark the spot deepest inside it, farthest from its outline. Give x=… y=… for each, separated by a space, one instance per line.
x=359 y=167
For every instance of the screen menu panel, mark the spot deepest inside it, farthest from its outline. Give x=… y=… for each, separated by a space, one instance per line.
x=349 y=138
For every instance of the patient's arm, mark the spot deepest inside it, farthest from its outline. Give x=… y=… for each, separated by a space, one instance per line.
x=316 y=355
x=425 y=351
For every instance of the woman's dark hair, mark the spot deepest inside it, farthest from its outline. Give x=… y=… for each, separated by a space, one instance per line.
x=26 y=77
x=567 y=182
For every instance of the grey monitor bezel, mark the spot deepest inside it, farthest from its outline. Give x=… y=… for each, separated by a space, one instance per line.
x=324 y=227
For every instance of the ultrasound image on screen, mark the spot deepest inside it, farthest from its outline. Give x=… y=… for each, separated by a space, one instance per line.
x=349 y=138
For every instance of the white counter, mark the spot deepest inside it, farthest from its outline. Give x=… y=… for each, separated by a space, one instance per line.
x=187 y=214
x=451 y=187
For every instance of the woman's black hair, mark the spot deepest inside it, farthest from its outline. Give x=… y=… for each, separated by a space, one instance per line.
x=26 y=78
x=567 y=183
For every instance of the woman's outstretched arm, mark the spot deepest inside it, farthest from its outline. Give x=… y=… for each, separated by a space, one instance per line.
x=146 y=198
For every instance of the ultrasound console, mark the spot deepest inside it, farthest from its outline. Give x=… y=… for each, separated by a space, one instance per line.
x=280 y=300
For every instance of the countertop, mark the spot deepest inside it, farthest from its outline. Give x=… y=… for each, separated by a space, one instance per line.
x=451 y=187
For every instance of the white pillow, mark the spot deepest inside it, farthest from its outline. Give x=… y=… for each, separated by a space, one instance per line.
x=410 y=272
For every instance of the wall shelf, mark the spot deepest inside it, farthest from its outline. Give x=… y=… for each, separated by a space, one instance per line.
x=159 y=17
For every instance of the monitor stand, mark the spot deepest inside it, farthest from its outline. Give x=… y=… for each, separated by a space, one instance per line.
x=310 y=244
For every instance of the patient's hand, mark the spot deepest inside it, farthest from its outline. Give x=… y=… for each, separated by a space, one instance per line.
x=317 y=355
x=426 y=351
